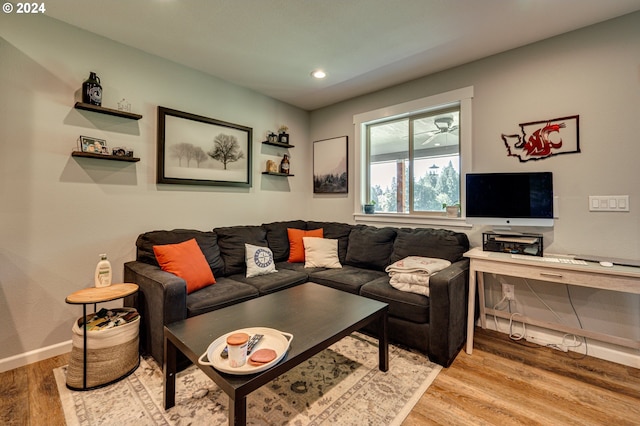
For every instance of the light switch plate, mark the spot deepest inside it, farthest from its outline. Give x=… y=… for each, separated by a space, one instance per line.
x=608 y=203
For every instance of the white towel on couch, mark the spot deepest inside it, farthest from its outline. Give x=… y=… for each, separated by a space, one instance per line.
x=412 y=273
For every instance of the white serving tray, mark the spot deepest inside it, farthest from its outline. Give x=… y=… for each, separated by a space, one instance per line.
x=277 y=340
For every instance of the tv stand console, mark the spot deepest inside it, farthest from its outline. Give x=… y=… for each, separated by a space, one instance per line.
x=623 y=279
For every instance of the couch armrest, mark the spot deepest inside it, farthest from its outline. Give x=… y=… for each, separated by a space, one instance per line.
x=448 y=292
x=161 y=300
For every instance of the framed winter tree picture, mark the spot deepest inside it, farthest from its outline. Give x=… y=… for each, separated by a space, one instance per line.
x=197 y=150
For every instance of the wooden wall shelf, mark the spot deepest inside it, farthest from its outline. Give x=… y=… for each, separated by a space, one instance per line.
x=104 y=156
x=278 y=144
x=108 y=111
x=277 y=174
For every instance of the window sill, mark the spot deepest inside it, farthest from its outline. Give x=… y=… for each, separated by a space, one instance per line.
x=390 y=219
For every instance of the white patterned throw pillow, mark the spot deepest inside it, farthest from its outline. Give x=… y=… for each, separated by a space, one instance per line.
x=259 y=260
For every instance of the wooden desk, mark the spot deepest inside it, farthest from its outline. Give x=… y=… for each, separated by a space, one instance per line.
x=93 y=296
x=624 y=279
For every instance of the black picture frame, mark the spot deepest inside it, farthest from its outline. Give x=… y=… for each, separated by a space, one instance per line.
x=331 y=166
x=197 y=150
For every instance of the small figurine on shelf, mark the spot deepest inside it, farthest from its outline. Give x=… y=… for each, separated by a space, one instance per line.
x=283 y=136
x=284 y=165
x=272 y=167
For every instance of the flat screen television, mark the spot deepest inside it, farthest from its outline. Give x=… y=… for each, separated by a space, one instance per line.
x=510 y=199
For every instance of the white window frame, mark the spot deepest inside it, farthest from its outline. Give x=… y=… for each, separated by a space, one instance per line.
x=462 y=97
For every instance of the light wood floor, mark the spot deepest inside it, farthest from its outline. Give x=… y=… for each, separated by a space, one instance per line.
x=502 y=383
x=511 y=383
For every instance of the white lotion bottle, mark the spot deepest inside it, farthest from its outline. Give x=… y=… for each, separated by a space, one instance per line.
x=103 y=272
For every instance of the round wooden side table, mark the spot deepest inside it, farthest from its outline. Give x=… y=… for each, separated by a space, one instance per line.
x=93 y=296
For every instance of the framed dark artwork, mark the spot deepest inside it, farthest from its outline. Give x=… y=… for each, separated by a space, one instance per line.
x=330 y=166
x=197 y=150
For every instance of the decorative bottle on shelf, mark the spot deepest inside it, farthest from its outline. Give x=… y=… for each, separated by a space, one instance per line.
x=284 y=164
x=103 y=272
x=283 y=136
x=92 y=90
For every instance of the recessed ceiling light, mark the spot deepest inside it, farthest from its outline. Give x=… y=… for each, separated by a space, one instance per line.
x=319 y=74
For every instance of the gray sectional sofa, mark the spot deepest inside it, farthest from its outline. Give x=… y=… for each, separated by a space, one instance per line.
x=435 y=325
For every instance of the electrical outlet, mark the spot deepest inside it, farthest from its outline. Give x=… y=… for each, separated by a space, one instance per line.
x=508 y=291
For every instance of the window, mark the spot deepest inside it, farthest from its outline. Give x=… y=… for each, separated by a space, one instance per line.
x=412 y=155
x=414 y=163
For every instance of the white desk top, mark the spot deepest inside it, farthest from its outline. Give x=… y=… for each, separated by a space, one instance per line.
x=590 y=267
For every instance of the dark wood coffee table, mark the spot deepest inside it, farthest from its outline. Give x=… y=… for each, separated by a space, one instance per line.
x=316 y=315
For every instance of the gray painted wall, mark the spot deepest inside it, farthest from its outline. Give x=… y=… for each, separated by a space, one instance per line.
x=593 y=72
x=58 y=213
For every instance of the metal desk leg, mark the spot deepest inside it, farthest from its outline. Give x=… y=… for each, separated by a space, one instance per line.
x=84 y=340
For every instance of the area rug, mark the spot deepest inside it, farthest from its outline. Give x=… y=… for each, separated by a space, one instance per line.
x=340 y=385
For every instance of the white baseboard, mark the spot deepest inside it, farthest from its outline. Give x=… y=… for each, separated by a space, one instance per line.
x=30 y=357
x=596 y=349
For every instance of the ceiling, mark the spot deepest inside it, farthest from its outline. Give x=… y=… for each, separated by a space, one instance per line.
x=271 y=46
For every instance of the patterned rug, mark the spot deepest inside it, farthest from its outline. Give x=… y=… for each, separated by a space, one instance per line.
x=340 y=385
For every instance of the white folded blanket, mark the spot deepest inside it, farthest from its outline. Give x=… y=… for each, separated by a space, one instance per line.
x=412 y=283
x=418 y=265
x=412 y=273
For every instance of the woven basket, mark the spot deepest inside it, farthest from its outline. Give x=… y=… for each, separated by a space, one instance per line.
x=111 y=354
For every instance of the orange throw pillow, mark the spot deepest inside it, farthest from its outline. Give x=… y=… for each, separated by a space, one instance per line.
x=296 y=245
x=187 y=261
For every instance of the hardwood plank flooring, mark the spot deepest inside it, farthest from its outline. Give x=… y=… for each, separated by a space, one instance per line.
x=29 y=395
x=44 y=399
x=518 y=383
x=14 y=386
x=502 y=383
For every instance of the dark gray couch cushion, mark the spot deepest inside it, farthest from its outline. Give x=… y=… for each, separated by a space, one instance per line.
x=438 y=243
x=231 y=241
x=370 y=247
x=278 y=239
x=335 y=231
x=408 y=306
x=225 y=292
x=269 y=283
x=297 y=266
x=348 y=278
x=208 y=242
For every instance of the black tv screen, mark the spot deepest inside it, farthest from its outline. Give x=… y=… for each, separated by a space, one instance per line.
x=510 y=198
